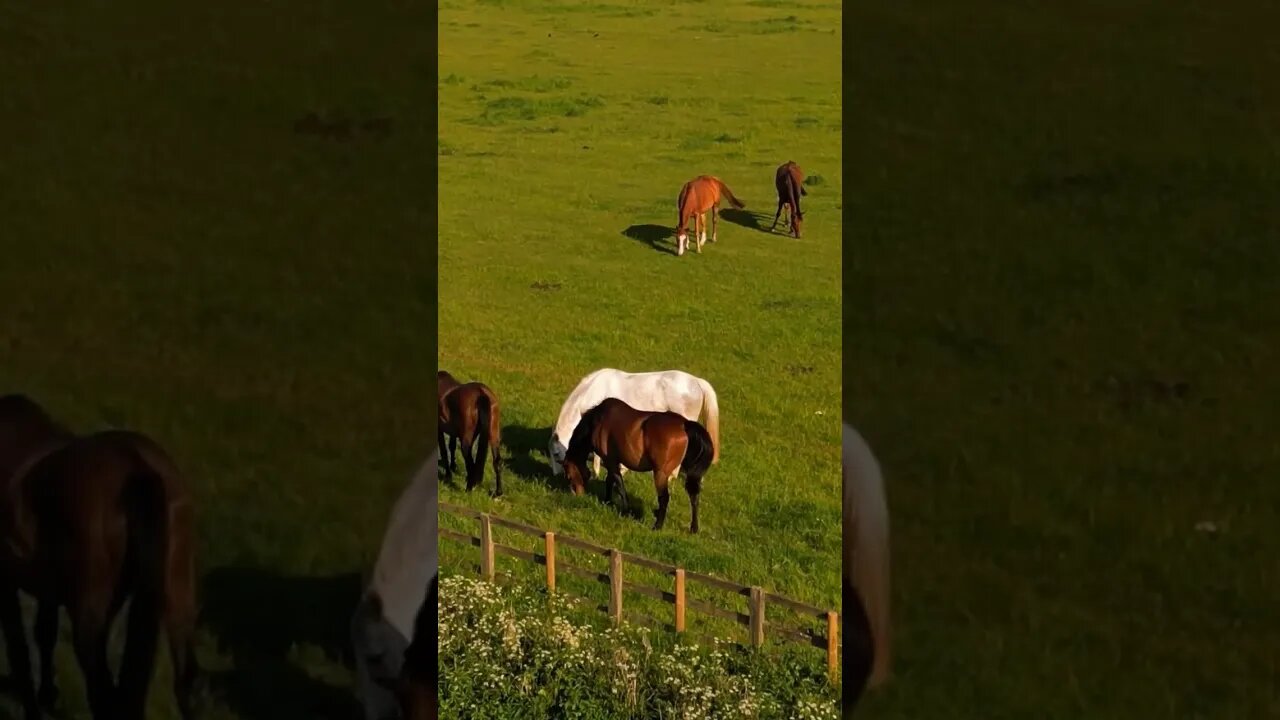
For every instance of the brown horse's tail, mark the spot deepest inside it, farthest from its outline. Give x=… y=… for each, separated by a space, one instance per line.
x=724 y=189
x=484 y=409
x=796 y=191
x=147 y=519
x=700 y=451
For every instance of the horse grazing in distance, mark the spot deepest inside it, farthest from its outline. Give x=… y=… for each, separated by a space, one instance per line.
x=90 y=522
x=699 y=195
x=866 y=570
x=664 y=442
x=387 y=620
x=672 y=390
x=790 y=184
x=469 y=412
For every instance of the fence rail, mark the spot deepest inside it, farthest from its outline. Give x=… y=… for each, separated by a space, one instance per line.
x=758 y=598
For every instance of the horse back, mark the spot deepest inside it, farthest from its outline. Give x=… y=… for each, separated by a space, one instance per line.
x=788 y=177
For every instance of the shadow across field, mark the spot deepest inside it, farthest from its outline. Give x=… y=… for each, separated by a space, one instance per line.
x=747 y=219
x=654 y=236
x=258 y=617
x=521 y=443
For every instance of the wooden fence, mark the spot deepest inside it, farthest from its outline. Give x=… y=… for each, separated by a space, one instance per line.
x=758 y=598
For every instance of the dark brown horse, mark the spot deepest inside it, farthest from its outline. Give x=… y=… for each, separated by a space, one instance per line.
x=469 y=412
x=699 y=195
x=790 y=184
x=664 y=442
x=89 y=522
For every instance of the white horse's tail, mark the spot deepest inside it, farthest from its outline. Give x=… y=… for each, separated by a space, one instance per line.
x=712 y=408
x=866 y=559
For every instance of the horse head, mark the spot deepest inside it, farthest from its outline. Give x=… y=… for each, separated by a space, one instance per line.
x=555 y=453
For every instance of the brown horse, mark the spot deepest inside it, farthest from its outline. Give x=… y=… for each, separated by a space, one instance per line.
x=89 y=522
x=469 y=412
x=664 y=442
x=699 y=195
x=790 y=184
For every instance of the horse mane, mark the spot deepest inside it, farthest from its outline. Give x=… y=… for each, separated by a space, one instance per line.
x=574 y=399
x=579 y=445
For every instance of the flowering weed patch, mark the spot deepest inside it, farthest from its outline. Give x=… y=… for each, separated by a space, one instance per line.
x=513 y=652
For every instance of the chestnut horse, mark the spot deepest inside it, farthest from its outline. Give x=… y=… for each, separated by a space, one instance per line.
x=790 y=184
x=469 y=412
x=699 y=195
x=89 y=522
x=664 y=442
x=866 y=570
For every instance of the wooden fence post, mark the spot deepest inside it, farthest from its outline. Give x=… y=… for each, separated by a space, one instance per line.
x=551 y=561
x=615 y=585
x=679 y=599
x=486 y=547
x=757 y=616
x=833 y=645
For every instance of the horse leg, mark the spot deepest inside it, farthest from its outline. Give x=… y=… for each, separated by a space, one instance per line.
x=15 y=637
x=776 y=216
x=180 y=627
x=715 y=210
x=89 y=629
x=595 y=464
x=497 y=465
x=694 y=486
x=702 y=231
x=46 y=640
x=180 y=614
x=453 y=452
x=469 y=463
x=660 y=483
x=615 y=478
x=448 y=472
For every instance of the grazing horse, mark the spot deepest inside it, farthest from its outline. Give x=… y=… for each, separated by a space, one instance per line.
x=664 y=442
x=866 y=569
x=387 y=617
x=469 y=412
x=790 y=184
x=90 y=522
x=673 y=390
x=699 y=195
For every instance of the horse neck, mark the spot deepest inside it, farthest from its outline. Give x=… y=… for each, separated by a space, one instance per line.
x=408 y=557
x=587 y=395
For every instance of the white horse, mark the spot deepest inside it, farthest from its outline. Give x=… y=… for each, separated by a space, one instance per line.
x=666 y=390
x=866 y=564
x=383 y=625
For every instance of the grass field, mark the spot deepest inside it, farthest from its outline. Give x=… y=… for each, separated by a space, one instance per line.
x=183 y=257
x=566 y=132
x=1061 y=325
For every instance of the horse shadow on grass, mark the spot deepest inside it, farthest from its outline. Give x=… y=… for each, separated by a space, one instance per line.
x=747 y=219
x=258 y=617
x=654 y=236
x=521 y=443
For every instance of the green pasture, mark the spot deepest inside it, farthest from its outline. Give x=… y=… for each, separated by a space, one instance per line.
x=1061 y=327
x=185 y=255
x=566 y=133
